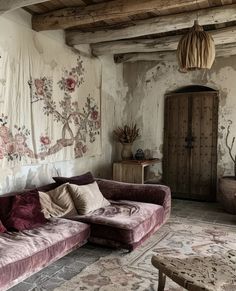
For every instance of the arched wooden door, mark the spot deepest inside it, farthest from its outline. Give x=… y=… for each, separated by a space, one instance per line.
x=190 y=144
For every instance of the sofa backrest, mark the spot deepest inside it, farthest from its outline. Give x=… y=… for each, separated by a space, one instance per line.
x=6 y=199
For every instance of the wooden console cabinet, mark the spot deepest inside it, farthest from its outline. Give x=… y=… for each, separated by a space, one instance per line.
x=132 y=171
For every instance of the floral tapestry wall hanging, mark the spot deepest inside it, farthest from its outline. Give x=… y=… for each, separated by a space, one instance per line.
x=51 y=112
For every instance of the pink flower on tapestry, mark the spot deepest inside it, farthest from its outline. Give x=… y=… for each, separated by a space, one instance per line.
x=84 y=149
x=2 y=143
x=94 y=115
x=39 y=85
x=20 y=139
x=1 y=153
x=70 y=84
x=20 y=148
x=4 y=133
x=45 y=140
x=80 y=149
x=97 y=124
x=10 y=148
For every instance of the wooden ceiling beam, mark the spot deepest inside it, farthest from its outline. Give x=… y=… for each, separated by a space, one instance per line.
x=115 y=9
x=168 y=43
x=154 y=25
x=8 y=5
x=221 y=51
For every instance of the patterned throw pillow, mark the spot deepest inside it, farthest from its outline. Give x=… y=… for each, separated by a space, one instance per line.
x=87 y=198
x=26 y=212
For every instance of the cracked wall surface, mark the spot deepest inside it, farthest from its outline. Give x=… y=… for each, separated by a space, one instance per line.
x=145 y=85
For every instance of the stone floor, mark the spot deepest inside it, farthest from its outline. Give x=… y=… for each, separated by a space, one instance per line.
x=69 y=266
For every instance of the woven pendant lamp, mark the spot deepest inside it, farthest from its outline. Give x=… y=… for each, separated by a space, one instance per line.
x=196 y=49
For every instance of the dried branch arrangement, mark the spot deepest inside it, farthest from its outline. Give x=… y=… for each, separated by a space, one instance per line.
x=126 y=134
x=230 y=147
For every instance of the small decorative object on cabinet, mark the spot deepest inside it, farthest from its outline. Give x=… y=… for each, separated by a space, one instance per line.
x=126 y=135
x=228 y=184
x=133 y=171
x=139 y=154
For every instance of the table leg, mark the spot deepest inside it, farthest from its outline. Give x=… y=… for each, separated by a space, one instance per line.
x=161 y=282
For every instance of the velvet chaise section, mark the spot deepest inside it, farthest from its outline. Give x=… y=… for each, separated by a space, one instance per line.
x=155 y=194
x=24 y=253
x=123 y=223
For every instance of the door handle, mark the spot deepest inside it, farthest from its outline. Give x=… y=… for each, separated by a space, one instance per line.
x=189 y=140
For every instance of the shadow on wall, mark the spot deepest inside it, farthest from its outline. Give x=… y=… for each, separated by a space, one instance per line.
x=192 y=88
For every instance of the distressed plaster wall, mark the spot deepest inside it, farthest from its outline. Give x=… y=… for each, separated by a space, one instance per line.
x=146 y=83
x=20 y=177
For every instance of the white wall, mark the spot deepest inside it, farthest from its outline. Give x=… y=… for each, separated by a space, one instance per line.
x=148 y=82
x=133 y=92
x=19 y=177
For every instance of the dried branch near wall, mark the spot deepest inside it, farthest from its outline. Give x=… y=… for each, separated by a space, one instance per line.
x=230 y=147
x=126 y=134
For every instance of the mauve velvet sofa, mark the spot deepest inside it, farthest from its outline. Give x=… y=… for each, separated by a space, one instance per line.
x=136 y=212
x=27 y=252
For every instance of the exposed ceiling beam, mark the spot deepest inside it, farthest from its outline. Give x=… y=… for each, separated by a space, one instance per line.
x=7 y=5
x=221 y=51
x=168 y=43
x=154 y=25
x=153 y=56
x=116 y=9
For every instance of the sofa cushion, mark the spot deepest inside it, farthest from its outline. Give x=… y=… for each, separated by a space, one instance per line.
x=87 y=198
x=24 y=253
x=2 y=227
x=84 y=179
x=5 y=207
x=48 y=187
x=49 y=208
x=57 y=202
x=26 y=212
x=124 y=222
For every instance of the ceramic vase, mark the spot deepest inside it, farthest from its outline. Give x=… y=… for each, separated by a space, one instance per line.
x=227 y=195
x=126 y=153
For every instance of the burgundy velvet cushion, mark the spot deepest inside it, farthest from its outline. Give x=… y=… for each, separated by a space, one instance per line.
x=84 y=179
x=47 y=187
x=26 y=212
x=2 y=227
x=5 y=207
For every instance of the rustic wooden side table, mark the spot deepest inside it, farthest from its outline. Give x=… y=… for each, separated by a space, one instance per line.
x=133 y=171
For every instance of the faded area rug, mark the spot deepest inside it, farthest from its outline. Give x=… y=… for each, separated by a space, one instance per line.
x=134 y=271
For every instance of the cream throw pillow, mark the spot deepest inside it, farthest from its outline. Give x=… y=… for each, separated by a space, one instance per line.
x=87 y=198
x=57 y=202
